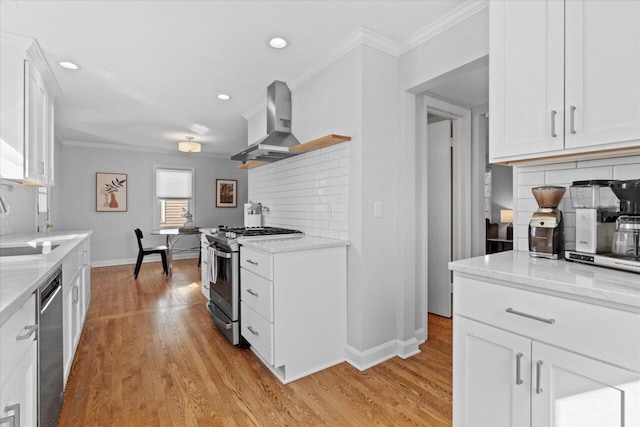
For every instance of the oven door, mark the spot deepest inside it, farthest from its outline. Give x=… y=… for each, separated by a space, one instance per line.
x=224 y=282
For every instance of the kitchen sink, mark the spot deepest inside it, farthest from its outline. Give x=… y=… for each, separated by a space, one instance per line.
x=26 y=250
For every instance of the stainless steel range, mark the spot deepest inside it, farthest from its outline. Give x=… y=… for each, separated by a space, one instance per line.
x=223 y=259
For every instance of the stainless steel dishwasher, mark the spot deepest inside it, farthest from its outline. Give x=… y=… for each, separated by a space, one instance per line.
x=50 y=348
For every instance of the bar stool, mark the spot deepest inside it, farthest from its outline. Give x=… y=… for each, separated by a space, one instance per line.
x=162 y=250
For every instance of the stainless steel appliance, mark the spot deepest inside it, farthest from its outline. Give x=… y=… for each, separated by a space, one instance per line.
x=624 y=249
x=50 y=351
x=546 y=228
x=223 y=259
x=596 y=212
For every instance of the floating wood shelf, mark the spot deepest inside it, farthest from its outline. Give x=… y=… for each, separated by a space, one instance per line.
x=319 y=143
x=251 y=165
x=315 y=144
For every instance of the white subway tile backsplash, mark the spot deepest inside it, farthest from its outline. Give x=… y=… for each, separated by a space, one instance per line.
x=308 y=192
x=624 y=172
x=563 y=175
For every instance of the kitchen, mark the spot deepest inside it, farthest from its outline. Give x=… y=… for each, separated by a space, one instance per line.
x=333 y=93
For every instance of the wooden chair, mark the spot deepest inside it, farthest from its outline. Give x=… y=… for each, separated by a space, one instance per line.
x=162 y=250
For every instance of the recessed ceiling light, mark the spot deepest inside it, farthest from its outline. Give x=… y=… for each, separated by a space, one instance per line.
x=68 y=65
x=224 y=97
x=277 y=43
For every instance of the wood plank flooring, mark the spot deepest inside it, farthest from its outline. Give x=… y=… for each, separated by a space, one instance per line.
x=149 y=355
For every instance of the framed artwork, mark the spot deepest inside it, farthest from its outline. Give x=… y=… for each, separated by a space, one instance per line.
x=111 y=192
x=226 y=193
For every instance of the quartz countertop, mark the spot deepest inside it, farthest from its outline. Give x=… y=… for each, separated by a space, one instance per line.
x=21 y=275
x=573 y=280
x=291 y=244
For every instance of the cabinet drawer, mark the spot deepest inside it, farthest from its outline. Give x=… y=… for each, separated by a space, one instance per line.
x=72 y=264
x=257 y=293
x=257 y=262
x=599 y=332
x=11 y=350
x=258 y=331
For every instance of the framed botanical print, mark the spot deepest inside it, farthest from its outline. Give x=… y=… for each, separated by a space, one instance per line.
x=111 y=192
x=226 y=193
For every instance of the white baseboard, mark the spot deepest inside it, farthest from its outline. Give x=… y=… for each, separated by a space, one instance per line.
x=148 y=258
x=363 y=360
x=421 y=335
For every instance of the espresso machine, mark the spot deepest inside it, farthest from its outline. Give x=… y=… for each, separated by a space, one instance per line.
x=546 y=228
x=596 y=209
x=617 y=233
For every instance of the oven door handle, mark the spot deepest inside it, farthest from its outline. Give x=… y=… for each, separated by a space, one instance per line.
x=221 y=254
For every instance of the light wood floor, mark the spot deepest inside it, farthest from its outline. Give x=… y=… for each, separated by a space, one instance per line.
x=149 y=355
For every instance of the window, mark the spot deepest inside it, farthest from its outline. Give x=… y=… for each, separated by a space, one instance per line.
x=174 y=191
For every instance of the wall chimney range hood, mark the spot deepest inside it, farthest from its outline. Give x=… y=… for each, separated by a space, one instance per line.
x=274 y=146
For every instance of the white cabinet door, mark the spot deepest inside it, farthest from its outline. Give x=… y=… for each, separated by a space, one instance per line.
x=50 y=141
x=19 y=395
x=35 y=150
x=526 y=75
x=602 y=72
x=492 y=376
x=12 y=114
x=570 y=390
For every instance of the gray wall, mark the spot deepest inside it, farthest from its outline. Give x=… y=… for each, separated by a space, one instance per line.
x=501 y=194
x=113 y=241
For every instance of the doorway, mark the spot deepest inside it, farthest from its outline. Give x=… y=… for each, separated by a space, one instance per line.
x=447 y=200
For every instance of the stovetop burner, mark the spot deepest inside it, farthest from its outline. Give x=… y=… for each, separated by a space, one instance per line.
x=257 y=231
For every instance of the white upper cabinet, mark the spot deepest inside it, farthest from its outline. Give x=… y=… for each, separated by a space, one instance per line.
x=28 y=90
x=603 y=73
x=563 y=78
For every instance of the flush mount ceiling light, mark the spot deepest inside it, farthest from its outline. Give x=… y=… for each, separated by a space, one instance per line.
x=68 y=65
x=189 y=146
x=277 y=43
x=224 y=97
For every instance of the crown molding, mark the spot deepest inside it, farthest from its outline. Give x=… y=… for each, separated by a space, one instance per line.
x=439 y=26
x=363 y=36
x=34 y=54
x=124 y=147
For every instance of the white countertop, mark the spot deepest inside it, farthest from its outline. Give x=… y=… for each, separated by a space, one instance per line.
x=560 y=277
x=20 y=276
x=291 y=244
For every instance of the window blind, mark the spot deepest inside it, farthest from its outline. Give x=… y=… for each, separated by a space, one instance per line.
x=174 y=184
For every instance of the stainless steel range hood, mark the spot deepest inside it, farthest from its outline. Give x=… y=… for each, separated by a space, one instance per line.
x=275 y=146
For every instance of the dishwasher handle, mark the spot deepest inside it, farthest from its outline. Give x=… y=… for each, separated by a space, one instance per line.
x=45 y=304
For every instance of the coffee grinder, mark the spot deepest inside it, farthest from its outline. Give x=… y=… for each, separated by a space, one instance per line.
x=546 y=234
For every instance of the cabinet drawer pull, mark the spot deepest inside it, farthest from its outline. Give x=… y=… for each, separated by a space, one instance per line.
x=572 y=119
x=31 y=330
x=250 y=261
x=530 y=316
x=518 y=361
x=253 y=331
x=538 y=375
x=13 y=420
x=252 y=292
x=553 y=123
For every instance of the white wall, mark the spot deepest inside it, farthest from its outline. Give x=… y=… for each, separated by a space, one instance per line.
x=461 y=44
x=563 y=174
x=113 y=240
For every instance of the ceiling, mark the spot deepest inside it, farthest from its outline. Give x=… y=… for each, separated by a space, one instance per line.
x=151 y=70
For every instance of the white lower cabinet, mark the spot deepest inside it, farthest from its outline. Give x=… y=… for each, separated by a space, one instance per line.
x=544 y=363
x=293 y=308
x=204 y=265
x=19 y=367
x=76 y=295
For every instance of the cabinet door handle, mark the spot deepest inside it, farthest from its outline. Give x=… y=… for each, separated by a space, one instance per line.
x=30 y=331
x=538 y=375
x=250 y=261
x=13 y=420
x=253 y=331
x=572 y=119
x=530 y=316
x=75 y=294
x=518 y=375
x=553 y=123
x=252 y=292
